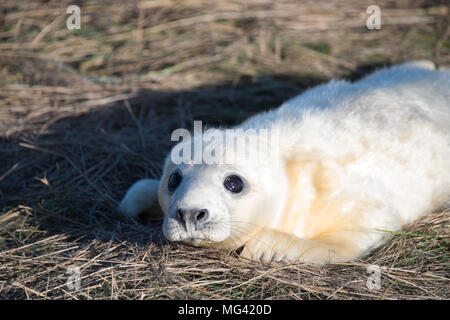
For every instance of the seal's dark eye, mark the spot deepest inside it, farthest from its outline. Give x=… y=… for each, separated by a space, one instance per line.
x=233 y=183
x=174 y=181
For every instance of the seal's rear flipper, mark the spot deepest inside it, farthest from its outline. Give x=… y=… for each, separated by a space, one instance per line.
x=142 y=196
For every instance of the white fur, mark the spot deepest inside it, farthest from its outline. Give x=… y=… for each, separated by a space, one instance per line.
x=139 y=197
x=367 y=156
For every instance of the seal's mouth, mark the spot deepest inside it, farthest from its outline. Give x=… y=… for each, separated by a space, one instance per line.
x=198 y=241
x=195 y=240
x=208 y=233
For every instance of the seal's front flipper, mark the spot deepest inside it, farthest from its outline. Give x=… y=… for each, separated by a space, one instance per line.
x=273 y=245
x=142 y=196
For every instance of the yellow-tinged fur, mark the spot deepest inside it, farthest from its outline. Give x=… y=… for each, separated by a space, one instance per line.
x=329 y=218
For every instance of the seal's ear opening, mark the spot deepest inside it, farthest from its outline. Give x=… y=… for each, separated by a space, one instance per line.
x=142 y=199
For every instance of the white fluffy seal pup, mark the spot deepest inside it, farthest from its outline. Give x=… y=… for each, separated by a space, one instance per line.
x=353 y=160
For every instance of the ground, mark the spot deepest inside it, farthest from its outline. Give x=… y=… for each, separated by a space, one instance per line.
x=85 y=113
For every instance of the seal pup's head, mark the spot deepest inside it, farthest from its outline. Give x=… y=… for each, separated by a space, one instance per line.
x=220 y=204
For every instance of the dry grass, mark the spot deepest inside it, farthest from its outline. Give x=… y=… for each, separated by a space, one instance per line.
x=85 y=113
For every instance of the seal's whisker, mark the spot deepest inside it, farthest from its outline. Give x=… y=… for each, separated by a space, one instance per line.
x=253 y=237
x=238 y=221
x=244 y=233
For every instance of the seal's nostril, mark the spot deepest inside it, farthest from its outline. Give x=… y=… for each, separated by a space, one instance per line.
x=180 y=215
x=192 y=217
x=202 y=215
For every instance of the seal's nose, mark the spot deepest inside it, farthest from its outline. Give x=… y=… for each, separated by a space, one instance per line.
x=193 y=216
